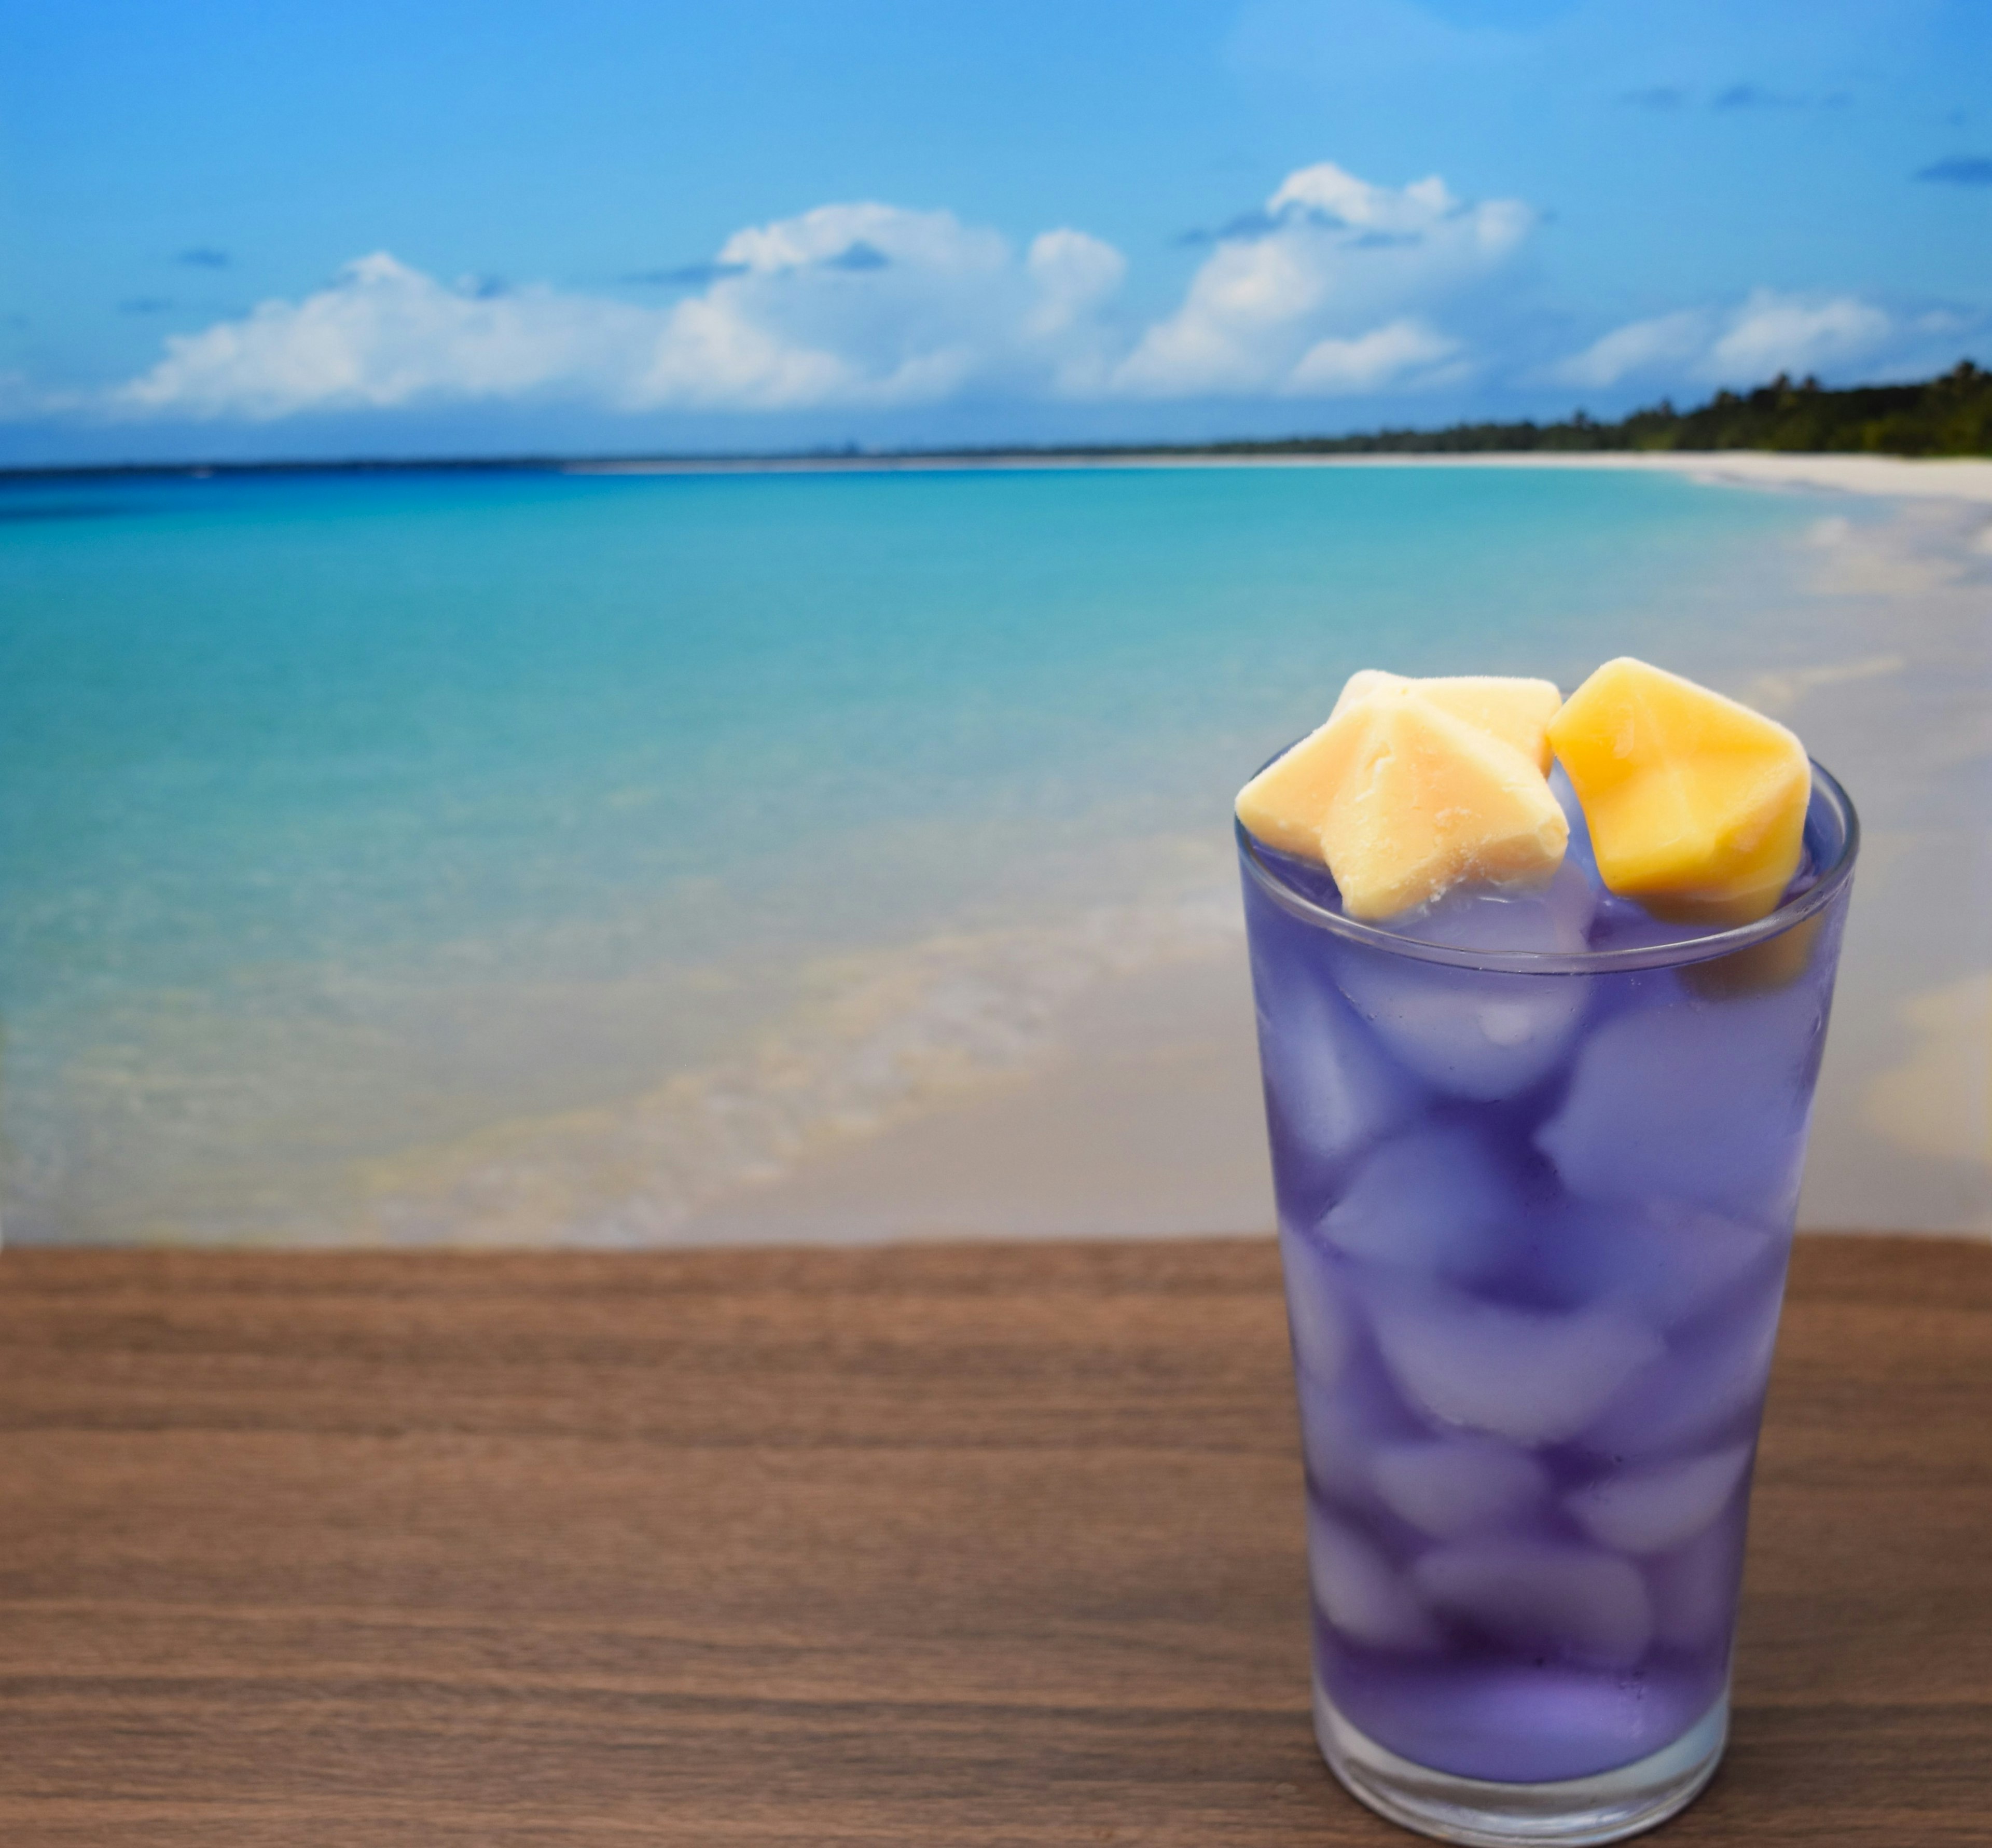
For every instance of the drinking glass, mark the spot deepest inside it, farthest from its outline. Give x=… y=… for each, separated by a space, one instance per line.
x=1535 y=1208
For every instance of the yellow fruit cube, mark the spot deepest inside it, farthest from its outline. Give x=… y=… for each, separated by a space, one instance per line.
x=1516 y=711
x=1697 y=804
x=1403 y=799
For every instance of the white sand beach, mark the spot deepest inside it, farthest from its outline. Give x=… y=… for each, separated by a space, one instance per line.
x=1143 y=1116
x=1959 y=478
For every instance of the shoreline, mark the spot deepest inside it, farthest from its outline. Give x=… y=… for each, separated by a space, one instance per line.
x=1966 y=479
x=1961 y=479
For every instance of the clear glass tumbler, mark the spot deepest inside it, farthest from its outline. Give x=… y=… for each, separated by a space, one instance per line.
x=1535 y=1208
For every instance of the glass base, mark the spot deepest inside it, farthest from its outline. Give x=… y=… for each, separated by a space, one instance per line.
x=1606 y=1808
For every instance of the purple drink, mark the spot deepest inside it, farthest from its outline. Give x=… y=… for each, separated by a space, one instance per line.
x=1537 y=1159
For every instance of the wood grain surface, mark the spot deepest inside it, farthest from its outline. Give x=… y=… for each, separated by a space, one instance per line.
x=977 y=1545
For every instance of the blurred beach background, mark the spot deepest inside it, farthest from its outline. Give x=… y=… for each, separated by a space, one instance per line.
x=624 y=858
x=613 y=852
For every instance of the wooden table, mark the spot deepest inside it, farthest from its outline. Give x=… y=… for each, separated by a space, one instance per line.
x=964 y=1546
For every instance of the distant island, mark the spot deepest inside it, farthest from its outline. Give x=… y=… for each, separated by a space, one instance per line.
x=1948 y=416
x=1951 y=415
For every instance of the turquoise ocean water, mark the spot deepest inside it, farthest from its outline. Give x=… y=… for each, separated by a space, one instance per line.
x=425 y=856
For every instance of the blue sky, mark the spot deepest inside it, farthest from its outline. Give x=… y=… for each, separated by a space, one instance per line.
x=247 y=231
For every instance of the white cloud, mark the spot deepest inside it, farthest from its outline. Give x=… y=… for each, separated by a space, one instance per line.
x=1773 y=333
x=1370 y=360
x=382 y=335
x=872 y=305
x=1667 y=342
x=1075 y=275
x=1326 y=290
x=860 y=304
x=1765 y=334
x=1335 y=286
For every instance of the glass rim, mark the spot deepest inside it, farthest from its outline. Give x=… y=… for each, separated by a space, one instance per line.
x=1703 y=948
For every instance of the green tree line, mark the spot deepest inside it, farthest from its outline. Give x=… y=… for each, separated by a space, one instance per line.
x=1951 y=415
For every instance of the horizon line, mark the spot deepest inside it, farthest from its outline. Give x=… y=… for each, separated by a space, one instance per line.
x=1400 y=440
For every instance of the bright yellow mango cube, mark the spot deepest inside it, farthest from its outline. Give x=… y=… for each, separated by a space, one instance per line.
x=1697 y=804
x=1402 y=800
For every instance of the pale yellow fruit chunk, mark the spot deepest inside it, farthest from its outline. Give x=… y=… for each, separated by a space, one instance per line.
x=1516 y=711
x=1402 y=800
x=1697 y=804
